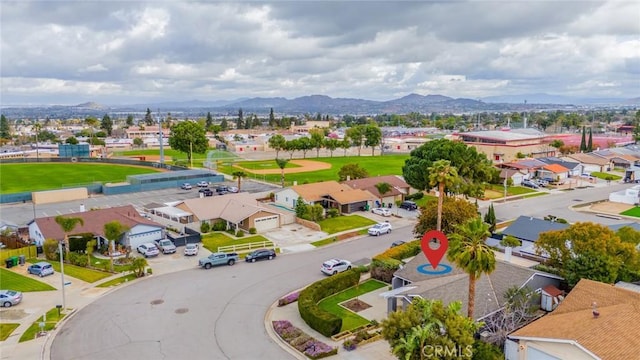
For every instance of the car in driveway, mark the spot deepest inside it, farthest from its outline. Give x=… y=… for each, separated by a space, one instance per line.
x=334 y=266
x=148 y=250
x=166 y=246
x=408 y=205
x=191 y=249
x=381 y=211
x=8 y=298
x=186 y=186
x=203 y=184
x=530 y=184
x=41 y=269
x=260 y=254
x=380 y=228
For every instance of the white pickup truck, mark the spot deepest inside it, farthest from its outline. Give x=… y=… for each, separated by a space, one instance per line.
x=166 y=246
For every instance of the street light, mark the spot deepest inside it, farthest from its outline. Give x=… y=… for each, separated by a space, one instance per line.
x=64 y=304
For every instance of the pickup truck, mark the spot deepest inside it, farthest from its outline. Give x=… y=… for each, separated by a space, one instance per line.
x=166 y=246
x=218 y=259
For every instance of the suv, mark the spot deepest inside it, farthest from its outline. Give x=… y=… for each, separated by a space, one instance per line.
x=221 y=190
x=166 y=246
x=380 y=228
x=186 y=186
x=206 y=191
x=260 y=254
x=41 y=269
x=148 y=249
x=334 y=266
x=408 y=205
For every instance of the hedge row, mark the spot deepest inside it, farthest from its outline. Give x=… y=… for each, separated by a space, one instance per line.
x=324 y=322
x=384 y=265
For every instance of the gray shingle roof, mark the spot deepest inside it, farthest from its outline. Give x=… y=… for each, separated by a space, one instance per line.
x=529 y=228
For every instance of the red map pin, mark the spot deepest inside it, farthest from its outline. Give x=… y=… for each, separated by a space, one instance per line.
x=434 y=245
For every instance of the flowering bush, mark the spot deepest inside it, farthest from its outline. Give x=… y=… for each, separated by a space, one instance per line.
x=289 y=299
x=302 y=342
x=319 y=350
x=349 y=345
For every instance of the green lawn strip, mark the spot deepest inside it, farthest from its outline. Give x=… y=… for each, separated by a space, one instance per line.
x=52 y=319
x=105 y=265
x=605 y=176
x=511 y=190
x=333 y=239
x=423 y=201
x=80 y=273
x=343 y=223
x=6 y=330
x=118 y=281
x=12 y=281
x=534 y=195
x=212 y=241
x=263 y=165
x=350 y=320
x=634 y=211
x=35 y=177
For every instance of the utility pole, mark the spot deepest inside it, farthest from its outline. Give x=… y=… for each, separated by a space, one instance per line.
x=161 y=138
x=191 y=153
x=64 y=304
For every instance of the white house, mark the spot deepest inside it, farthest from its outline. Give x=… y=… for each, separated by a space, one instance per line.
x=627 y=196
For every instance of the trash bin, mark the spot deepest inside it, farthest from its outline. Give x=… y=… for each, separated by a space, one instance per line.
x=9 y=263
x=21 y=259
x=14 y=260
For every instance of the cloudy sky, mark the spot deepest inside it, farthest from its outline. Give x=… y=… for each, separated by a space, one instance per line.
x=124 y=52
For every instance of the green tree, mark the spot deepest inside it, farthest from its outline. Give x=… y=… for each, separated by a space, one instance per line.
x=188 y=137
x=129 y=121
x=209 y=122
x=67 y=224
x=277 y=142
x=137 y=266
x=467 y=249
x=352 y=171
x=5 y=129
x=113 y=230
x=557 y=144
x=583 y=140
x=444 y=176
x=490 y=218
x=510 y=241
x=71 y=140
x=239 y=175
x=272 y=119
x=331 y=144
x=138 y=142
x=148 y=119
x=345 y=145
x=224 y=125
x=316 y=212
x=373 y=137
x=282 y=163
x=107 y=124
x=356 y=135
x=590 y=141
x=91 y=122
x=304 y=144
x=301 y=208
x=474 y=169
x=454 y=211
x=240 y=120
x=317 y=140
x=383 y=188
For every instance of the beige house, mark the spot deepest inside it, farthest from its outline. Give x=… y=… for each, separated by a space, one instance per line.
x=329 y=194
x=399 y=188
x=504 y=145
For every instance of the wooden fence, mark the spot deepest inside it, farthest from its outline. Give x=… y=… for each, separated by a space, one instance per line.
x=27 y=251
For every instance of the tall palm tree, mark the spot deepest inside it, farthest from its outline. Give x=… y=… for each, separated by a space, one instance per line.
x=383 y=188
x=239 y=175
x=443 y=174
x=468 y=250
x=67 y=224
x=281 y=164
x=112 y=231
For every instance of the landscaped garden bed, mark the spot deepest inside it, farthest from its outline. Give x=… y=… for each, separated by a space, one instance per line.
x=302 y=342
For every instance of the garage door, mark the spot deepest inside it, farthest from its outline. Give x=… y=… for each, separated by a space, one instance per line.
x=139 y=239
x=266 y=223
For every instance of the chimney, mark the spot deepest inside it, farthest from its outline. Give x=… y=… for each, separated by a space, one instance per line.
x=82 y=209
x=594 y=310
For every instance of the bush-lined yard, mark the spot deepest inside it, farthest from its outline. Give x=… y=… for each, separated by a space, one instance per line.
x=12 y=281
x=350 y=320
x=343 y=223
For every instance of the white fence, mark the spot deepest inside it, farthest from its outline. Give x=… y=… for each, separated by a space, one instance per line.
x=247 y=247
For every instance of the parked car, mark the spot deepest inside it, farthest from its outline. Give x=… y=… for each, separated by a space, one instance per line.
x=166 y=246
x=380 y=228
x=530 y=184
x=397 y=243
x=148 y=250
x=381 y=211
x=221 y=190
x=206 y=191
x=334 y=266
x=409 y=205
x=8 y=298
x=542 y=182
x=191 y=249
x=41 y=269
x=232 y=189
x=219 y=258
x=203 y=184
x=260 y=254
x=186 y=186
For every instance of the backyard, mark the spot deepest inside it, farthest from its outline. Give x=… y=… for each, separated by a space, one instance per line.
x=350 y=319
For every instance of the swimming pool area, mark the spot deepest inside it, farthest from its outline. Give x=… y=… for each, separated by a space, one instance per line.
x=281 y=207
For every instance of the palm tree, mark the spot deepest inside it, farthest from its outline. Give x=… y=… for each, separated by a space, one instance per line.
x=468 y=250
x=281 y=164
x=67 y=224
x=91 y=122
x=443 y=174
x=383 y=188
x=239 y=175
x=112 y=231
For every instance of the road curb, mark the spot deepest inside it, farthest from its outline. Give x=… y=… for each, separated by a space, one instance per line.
x=276 y=338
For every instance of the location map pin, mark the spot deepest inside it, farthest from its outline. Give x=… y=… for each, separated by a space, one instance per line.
x=434 y=245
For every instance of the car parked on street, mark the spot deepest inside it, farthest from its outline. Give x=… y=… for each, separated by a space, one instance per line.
x=381 y=211
x=334 y=266
x=8 y=298
x=380 y=228
x=232 y=189
x=221 y=190
x=148 y=250
x=166 y=246
x=41 y=269
x=218 y=258
x=191 y=249
x=408 y=205
x=206 y=191
x=530 y=184
x=260 y=254
x=186 y=186
x=203 y=184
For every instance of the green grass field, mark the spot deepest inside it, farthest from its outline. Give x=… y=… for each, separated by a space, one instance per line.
x=214 y=240
x=80 y=273
x=12 y=281
x=350 y=320
x=263 y=165
x=376 y=166
x=634 y=211
x=6 y=330
x=343 y=223
x=118 y=281
x=51 y=321
x=34 y=177
x=606 y=176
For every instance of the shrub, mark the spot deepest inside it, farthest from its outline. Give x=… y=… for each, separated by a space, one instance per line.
x=240 y=233
x=219 y=226
x=231 y=231
x=332 y=213
x=384 y=265
x=78 y=259
x=78 y=243
x=149 y=271
x=289 y=299
x=50 y=249
x=416 y=196
x=349 y=345
x=302 y=342
x=253 y=231
x=205 y=227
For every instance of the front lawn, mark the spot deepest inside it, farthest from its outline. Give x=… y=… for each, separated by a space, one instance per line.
x=212 y=241
x=494 y=191
x=118 y=281
x=634 y=211
x=12 y=281
x=423 y=201
x=105 y=265
x=606 y=176
x=80 y=273
x=52 y=319
x=6 y=330
x=350 y=320
x=343 y=223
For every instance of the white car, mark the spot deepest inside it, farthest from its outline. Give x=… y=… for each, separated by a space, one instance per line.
x=186 y=186
x=334 y=266
x=148 y=250
x=381 y=211
x=203 y=184
x=191 y=250
x=380 y=228
x=232 y=189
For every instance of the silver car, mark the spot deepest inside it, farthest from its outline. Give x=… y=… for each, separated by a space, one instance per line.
x=9 y=298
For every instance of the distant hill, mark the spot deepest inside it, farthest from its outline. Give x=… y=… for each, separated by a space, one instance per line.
x=550 y=99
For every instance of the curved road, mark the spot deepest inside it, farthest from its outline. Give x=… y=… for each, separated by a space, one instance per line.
x=201 y=314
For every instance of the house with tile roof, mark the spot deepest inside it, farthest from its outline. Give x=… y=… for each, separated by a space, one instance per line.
x=527 y=230
x=595 y=321
x=329 y=194
x=410 y=282
x=399 y=188
x=574 y=168
x=589 y=162
x=529 y=167
x=140 y=229
x=553 y=172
